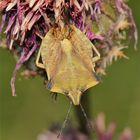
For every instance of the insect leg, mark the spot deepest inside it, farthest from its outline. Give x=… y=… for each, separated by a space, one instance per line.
x=96 y=58
x=40 y=65
x=54 y=96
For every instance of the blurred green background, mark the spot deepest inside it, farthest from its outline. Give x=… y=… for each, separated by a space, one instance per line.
x=118 y=96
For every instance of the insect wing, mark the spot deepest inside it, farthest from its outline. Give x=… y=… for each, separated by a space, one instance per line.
x=82 y=47
x=84 y=50
x=51 y=54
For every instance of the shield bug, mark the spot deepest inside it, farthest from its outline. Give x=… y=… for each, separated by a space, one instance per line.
x=68 y=58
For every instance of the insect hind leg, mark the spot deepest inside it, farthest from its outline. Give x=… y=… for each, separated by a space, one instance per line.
x=54 y=96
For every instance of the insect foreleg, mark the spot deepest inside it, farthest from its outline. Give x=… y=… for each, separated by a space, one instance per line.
x=96 y=58
x=39 y=64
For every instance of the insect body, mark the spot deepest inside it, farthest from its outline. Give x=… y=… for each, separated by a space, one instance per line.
x=68 y=57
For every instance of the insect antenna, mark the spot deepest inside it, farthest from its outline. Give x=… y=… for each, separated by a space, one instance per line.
x=85 y=115
x=65 y=121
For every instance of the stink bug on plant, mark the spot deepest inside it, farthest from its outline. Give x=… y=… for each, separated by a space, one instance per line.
x=67 y=56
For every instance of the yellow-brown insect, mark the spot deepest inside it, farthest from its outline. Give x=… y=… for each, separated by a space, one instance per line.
x=68 y=57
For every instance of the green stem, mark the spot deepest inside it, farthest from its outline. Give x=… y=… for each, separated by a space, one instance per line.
x=85 y=102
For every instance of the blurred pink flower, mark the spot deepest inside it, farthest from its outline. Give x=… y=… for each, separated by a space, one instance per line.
x=102 y=132
x=28 y=21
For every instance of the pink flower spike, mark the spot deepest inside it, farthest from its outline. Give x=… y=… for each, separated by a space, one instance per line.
x=11 y=5
x=26 y=54
x=31 y=3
